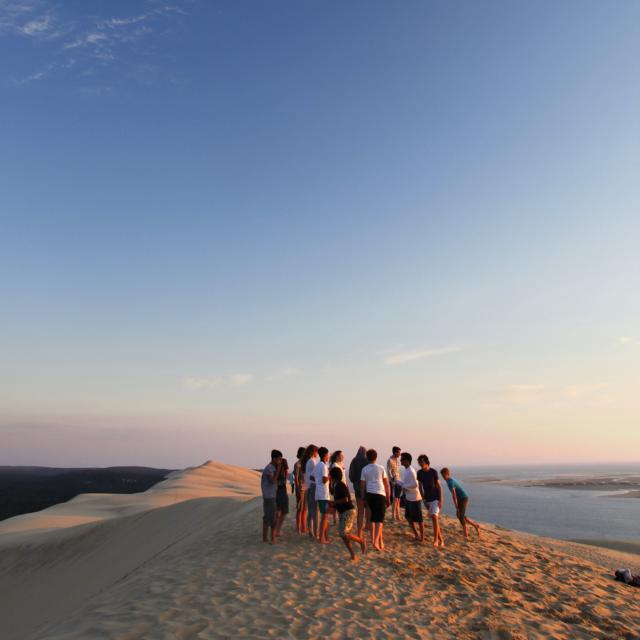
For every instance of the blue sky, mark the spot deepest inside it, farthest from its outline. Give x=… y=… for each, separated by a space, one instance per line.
x=227 y=226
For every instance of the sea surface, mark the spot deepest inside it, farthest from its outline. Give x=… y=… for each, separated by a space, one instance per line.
x=566 y=513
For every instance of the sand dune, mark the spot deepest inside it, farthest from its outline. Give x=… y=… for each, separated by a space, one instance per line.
x=183 y=560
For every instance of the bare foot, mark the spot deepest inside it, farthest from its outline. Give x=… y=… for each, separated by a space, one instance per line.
x=354 y=558
x=478 y=530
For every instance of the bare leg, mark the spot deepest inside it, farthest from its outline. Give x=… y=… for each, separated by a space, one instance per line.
x=360 y=540
x=360 y=503
x=265 y=532
x=324 y=525
x=347 y=543
x=422 y=536
x=380 y=537
x=475 y=525
x=436 y=530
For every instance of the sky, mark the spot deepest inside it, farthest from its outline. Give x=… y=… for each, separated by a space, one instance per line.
x=230 y=226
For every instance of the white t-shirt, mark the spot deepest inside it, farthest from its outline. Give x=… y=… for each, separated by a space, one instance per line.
x=373 y=475
x=409 y=482
x=308 y=470
x=320 y=471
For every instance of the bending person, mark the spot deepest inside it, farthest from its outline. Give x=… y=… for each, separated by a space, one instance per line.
x=460 y=500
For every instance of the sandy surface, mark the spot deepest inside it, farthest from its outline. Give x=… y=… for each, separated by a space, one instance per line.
x=191 y=565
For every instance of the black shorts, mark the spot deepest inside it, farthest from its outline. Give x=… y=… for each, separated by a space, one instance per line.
x=377 y=506
x=413 y=511
x=269 y=511
x=396 y=491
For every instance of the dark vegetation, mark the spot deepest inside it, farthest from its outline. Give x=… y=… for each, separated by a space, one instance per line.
x=27 y=489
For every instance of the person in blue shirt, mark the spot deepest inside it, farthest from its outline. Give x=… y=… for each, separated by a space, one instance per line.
x=460 y=500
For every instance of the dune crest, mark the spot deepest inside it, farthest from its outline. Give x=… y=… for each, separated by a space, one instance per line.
x=209 y=480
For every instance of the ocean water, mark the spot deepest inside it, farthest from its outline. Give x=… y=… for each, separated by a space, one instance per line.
x=556 y=512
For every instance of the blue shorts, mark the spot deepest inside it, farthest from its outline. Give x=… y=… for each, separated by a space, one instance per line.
x=323 y=506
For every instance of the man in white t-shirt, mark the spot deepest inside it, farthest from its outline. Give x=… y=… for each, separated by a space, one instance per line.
x=310 y=494
x=374 y=485
x=412 y=498
x=321 y=479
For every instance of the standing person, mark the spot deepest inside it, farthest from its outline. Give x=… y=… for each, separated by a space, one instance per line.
x=282 y=497
x=336 y=461
x=412 y=499
x=298 y=480
x=393 y=471
x=374 y=485
x=460 y=500
x=309 y=483
x=431 y=491
x=269 y=487
x=321 y=478
x=344 y=506
x=355 y=470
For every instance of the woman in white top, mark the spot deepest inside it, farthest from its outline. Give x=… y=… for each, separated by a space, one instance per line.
x=374 y=484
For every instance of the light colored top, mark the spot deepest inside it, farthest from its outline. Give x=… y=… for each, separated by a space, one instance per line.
x=373 y=475
x=320 y=471
x=393 y=469
x=308 y=470
x=409 y=482
x=268 y=486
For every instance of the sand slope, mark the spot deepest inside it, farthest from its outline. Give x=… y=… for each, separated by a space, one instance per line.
x=196 y=569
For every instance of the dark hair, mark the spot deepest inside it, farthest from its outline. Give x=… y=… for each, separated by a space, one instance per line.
x=334 y=456
x=445 y=472
x=395 y=450
x=276 y=454
x=423 y=458
x=300 y=453
x=405 y=455
x=284 y=469
x=335 y=473
x=322 y=452
x=372 y=455
x=311 y=449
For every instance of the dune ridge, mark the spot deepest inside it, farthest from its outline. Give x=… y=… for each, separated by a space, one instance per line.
x=184 y=560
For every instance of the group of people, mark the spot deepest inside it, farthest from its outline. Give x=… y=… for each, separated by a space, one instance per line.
x=321 y=486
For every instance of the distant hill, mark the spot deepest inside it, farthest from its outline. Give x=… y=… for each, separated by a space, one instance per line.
x=28 y=489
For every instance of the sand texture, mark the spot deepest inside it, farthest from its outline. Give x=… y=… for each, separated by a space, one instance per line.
x=184 y=560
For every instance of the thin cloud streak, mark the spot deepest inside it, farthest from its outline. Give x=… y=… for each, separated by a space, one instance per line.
x=403 y=357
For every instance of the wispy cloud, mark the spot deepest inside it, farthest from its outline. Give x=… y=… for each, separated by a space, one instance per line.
x=553 y=395
x=233 y=380
x=628 y=340
x=99 y=43
x=403 y=357
x=240 y=379
x=36 y=27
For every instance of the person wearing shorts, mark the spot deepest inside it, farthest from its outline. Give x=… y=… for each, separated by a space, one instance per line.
x=269 y=488
x=346 y=512
x=412 y=499
x=431 y=492
x=460 y=500
x=321 y=480
x=374 y=484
